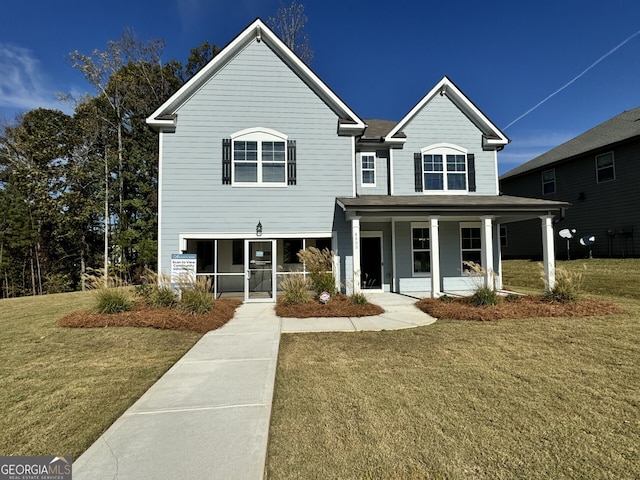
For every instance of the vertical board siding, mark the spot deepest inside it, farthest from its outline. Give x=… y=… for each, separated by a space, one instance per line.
x=255 y=89
x=441 y=121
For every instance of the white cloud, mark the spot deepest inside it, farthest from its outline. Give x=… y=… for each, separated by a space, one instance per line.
x=22 y=83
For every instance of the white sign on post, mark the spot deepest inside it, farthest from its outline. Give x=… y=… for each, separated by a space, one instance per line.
x=183 y=269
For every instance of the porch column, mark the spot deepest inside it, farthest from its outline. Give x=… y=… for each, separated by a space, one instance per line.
x=355 y=236
x=486 y=240
x=548 y=252
x=434 y=252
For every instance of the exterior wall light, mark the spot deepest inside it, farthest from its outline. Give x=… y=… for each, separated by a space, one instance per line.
x=259 y=229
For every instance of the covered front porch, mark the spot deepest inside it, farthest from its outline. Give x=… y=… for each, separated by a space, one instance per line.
x=433 y=245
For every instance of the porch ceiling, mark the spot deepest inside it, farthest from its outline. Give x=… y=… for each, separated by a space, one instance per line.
x=504 y=207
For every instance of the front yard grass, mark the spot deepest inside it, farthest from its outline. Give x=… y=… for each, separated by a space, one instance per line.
x=534 y=398
x=62 y=387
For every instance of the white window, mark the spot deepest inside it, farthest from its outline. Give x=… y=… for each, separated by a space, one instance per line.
x=420 y=249
x=470 y=245
x=259 y=157
x=368 y=167
x=605 y=167
x=548 y=182
x=444 y=168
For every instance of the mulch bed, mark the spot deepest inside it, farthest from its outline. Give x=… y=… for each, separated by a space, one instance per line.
x=338 y=306
x=525 y=307
x=162 y=318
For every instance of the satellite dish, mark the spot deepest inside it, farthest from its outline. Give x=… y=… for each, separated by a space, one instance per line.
x=588 y=240
x=567 y=233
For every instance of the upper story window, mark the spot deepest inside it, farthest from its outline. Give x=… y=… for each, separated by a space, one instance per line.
x=548 y=182
x=258 y=156
x=368 y=167
x=605 y=167
x=444 y=168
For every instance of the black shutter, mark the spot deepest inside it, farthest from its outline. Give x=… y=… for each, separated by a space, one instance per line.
x=226 y=161
x=471 y=171
x=417 y=165
x=291 y=162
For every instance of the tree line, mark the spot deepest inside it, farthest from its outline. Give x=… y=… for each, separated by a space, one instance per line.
x=79 y=191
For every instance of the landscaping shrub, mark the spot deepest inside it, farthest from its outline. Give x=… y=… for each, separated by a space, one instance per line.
x=359 y=299
x=295 y=289
x=197 y=298
x=156 y=291
x=568 y=286
x=446 y=298
x=484 y=296
x=319 y=264
x=113 y=300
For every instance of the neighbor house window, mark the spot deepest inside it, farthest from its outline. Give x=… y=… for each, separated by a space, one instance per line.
x=605 y=169
x=548 y=182
x=259 y=156
x=503 y=236
x=368 y=162
x=444 y=168
x=470 y=246
x=420 y=250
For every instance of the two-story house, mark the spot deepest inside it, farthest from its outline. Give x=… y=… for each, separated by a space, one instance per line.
x=259 y=159
x=598 y=173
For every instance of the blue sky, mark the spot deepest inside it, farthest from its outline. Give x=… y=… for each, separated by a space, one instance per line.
x=379 y=57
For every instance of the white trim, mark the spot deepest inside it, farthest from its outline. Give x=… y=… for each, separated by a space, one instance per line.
x=256 y=31
x=355 y=238
x=160 y=177
x=434 y=243
x=183 y=236
x=354 y=174
x=548 y=252
x=259 y=133
x=496 y=177
x=443 y=146
x=390 y=173
x=486 y=250
x=394 y=286
x=446 y=87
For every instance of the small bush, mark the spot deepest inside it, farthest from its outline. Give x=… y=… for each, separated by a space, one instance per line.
x=156 y=291
x=484 y=296
x=568 y=286
x=197 y=298
x=319 y=264
x=447 y=298
x=359 y=299
x=113 y=300
x=295 y=290
x=513 y=298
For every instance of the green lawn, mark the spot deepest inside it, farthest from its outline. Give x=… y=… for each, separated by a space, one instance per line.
x=62 y=387
x=526 y=399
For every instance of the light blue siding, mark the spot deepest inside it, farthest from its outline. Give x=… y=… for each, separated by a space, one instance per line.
x=441 y=121
x=382 y=178
x=255 y=89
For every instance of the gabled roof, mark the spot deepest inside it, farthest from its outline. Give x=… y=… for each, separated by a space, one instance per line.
x=165 y=116
x=492 y=136
x=621 y=128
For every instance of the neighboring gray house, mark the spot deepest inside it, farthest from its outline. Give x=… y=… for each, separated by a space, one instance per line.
x=598 y=172
x=259 y=159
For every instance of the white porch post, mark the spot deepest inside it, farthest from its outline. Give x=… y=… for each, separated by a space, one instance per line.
x=355 y=236
x=548 y=252
x=486 y=239
x=434 y=244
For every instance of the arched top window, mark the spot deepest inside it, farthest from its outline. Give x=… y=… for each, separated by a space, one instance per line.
x=259 y=156
x=444 y=168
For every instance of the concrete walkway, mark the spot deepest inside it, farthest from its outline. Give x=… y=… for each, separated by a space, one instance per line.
x=208 y=416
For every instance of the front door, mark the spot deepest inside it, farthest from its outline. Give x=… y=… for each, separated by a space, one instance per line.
x=371 y=260
x=259 y=283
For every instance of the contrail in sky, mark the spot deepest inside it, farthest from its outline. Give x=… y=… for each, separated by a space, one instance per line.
x=573 y=79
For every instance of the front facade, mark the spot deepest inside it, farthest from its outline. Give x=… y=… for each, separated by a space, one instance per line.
x=598 y=173
x=259 y=159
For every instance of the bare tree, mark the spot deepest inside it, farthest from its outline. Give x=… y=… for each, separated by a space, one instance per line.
x=288 y=24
